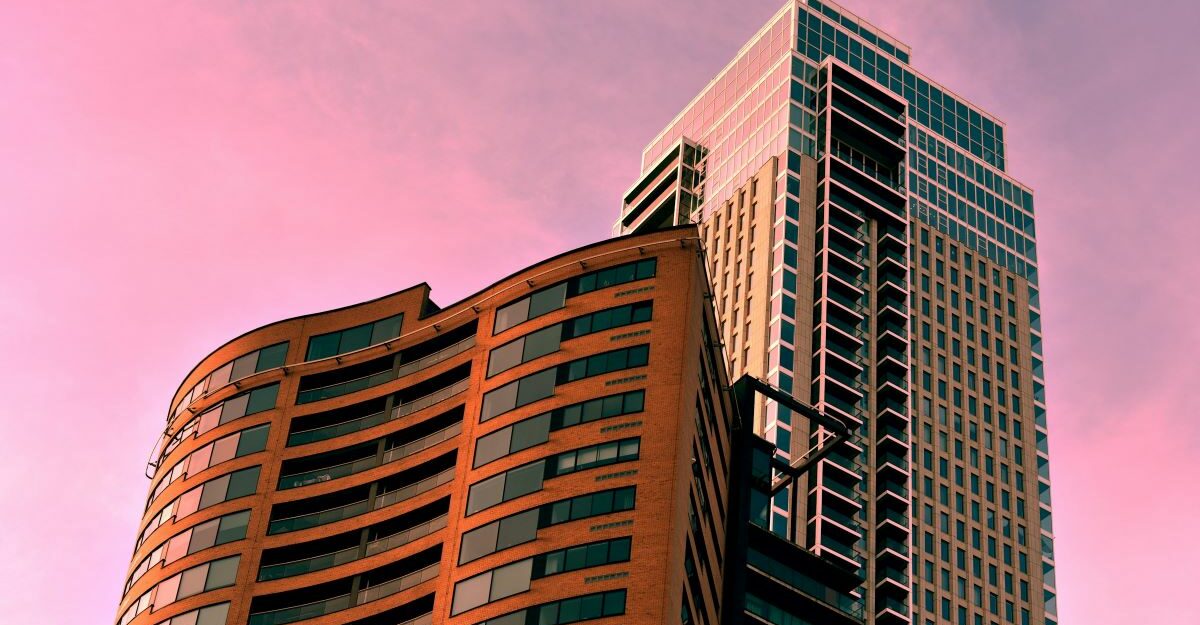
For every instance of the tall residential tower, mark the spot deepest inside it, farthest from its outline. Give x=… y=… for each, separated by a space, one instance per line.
x=870 y=254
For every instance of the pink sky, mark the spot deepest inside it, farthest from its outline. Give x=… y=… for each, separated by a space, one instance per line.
x=172 y=175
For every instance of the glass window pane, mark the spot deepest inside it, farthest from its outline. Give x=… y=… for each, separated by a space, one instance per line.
x=253 y=440
x=354 y=338
x=511 y=579
x=323 y=346
x=537 y=386
x=592 y=606
x=220 y=377
x=386 y=329
x=262 y=399
x=242 y=483
x=554 y=563
x=524 y=480
x=530 y=432
x=614 y=603
x=478 y=542
x=192 y=581
x=271 y=357
x=168 y=592
x=505 y=357
x=223 y=450
x=213 y=614
x=499 y=401
x=222 y=573
x=618 y=550
x=244 y=366
x=233 y=527
x=646 y=268
x=634 y=401
x=510 y=315
x=471 y=593
x=213 y=492
x=592 y=411
x=545 y=301
x=203 y=536
x=485 y=494
x=597 y=554
x=602 y=503
x=518 y=529
x=235 y=408
x=542 y=342
x=187 y=618
x=492 y=446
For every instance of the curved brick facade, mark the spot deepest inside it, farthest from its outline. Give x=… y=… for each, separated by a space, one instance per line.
x=307 y=485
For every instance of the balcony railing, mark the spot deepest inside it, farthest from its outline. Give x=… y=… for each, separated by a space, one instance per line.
x=412 y=490
x=325 y=561
x=375 y=379
x=301 y=612
x=430 y=399
x=421 y=444
x=404 y=537
x=313 y=519
x=350 y=468
x=372 y=420
x=397 y=585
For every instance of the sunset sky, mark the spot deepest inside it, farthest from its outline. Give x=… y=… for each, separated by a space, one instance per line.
x=173 y=174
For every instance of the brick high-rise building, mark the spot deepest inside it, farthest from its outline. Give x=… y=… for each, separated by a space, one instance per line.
x=553 y=449
x=871 y=255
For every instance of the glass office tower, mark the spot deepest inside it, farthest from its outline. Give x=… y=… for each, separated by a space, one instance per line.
x=871 y=256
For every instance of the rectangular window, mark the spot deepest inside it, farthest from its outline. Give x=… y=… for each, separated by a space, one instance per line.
x=536 y=430
x=522 y=527
x=554 y=297
x=528 y=478
x=352 y=339
x=572 y=610
x=541 y=385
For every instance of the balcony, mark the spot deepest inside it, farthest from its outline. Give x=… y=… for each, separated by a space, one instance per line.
x=343 y=556
x=399 y=584
x=893 y=522
x=889 y=611
x=357 y=466
x=864 y=189
x=377 y=418
x=301 y=612
x=378 y=371
x=412 y=490
x=339 y=505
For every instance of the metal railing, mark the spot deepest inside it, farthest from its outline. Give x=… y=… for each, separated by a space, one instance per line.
x=399 y=584
x=412 y=490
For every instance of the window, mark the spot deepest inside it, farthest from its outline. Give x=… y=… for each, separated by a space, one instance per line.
x=229 y=447
x=541 y=385
x=530 y=307
x=522 y=527
x=515 y=578
x=268 y=357
x=528 y=478
x=236 y=407
x=513 y=395
x=524 y=349
x=554 y=297
x=493 y=585
x=208 y=615
x=536 y=430
x=215 y=491
x=214 y=532
x=351 y=339
x=573 y=610
x=198 y=579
